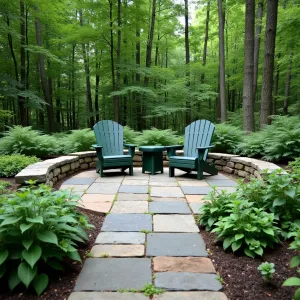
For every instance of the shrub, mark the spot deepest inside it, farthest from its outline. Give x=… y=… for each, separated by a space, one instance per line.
x=266 y=270
x=130 y=135
x=3 y=186
x=295 y=164
x=79 y=140
x=10 y=165
x=38 y=227
x=226 y=138
x=157 y=137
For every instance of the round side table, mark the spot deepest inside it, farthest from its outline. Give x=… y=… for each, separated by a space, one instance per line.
x=152 y=159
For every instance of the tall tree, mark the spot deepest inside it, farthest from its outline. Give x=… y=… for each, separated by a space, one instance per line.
x=268 y=66
x=205 y=40
x=287 y=87
x=248 y=107
x=118 y=61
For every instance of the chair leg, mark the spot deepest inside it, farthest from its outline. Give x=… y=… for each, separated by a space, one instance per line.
x=171 y=171
x=101 y=173
x=199 y=172
x=131 y=170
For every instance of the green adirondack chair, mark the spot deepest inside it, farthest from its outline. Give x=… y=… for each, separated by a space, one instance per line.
x=110 y=147
x=196 y=144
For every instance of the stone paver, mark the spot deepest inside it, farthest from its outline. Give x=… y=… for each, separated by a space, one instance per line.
x=111 y=179
x=195 y=198
x=101 y=207
x=108 y=296
x=79 y=180
x=135 y=182
x=120 y=238
x=134 y=189
x=75 y=187
x=195 y=207
x=168 y=199
x=193 y=183
x=166 y=192
x=97 y=198
x=187 y=296
x=87 y=174
x=103 y=188
x=113 y=274
x=174 y=223
x=183 y=264
x=163 y=183
x=169 y=208
x=221 y=182
x=215 y=177
x=175 y=244
x=186 y=281
x=130 y=207
x=127 y=222
x=194 y=190
x=132 y=197
x=117 y=250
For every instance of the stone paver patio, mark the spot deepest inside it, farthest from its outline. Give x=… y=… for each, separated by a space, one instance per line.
x=149 y=236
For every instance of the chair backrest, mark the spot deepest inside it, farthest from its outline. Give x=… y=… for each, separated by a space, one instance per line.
x=197 y=134
x=109 y=135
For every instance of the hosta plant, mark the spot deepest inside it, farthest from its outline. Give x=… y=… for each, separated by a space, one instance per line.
x=266 y=270
x=38 y=227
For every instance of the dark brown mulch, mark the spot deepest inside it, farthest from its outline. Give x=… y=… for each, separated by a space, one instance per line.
x=242 y=280
x=13 y=186
x=61 y=284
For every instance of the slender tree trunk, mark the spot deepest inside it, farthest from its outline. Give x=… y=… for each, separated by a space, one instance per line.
x=268 y=67
x=44 y=81
x=188 y=117
x=138 y=78
x=205 y=40
x=248 y=107
x=257 y=46
x=276 y=84
x=287 y=87
x=97 y=87
x=89 y=102
x=222 y=62
x=118 y=80
x=73 y=100
x=58 y=104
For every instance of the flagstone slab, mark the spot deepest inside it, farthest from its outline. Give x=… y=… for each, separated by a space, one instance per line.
x=138 y=176
x=101 y=207
x=130 y=207
x=196 y=190
x=205 y=295
x=193 y=183
x=97 y=198
x=103 y=188
x=171 y=191
x=75 y=187
x=183 y=264
x=108 y=296
x=162 y=177
x=120 y=238
x=174 y=223
x=113 y=274
x=132 y=197
x=221 y=183
x=127 y=222
x=135 y=182
x=195 y=198
x=118 y=250
x=79 y=180
x=169 y=208
x=195 y=207
x=87 y=174
x=175 y=244
x=215 y=177
x=163 y=183
x=168 y=199
x=187 y=281
x=111 y=179
x=134 y=189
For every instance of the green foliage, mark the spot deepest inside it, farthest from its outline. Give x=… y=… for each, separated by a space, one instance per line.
x=38 y=226
x=157 y=137
x=79 y=140
x=3 y=186
x=129 y=135
x=150 y=290
x=10 y=165
x=266 y=270
x=295 y=164
x=226 y=138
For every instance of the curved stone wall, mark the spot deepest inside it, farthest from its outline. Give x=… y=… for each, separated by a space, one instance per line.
x=52 y=170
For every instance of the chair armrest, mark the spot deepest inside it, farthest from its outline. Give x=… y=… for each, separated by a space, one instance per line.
x=171 y=150
x=202 y=150
x=98 y=150
x=131 y=149
x=97 y=146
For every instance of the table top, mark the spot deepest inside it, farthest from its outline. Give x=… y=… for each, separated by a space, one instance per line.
x=152 y=148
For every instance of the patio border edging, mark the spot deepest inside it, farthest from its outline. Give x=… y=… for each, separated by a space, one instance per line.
x=52 y=170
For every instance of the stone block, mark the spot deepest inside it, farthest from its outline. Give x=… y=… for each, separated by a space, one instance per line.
x=134 y=189
x=210 y=160
x=249 y=169
x=120 y=238
x=242 y=173
x=65 y=168
x=236 y=172
x=196 y=190
x=220 y=162
x=137 y=158
x=115 y=296
x=92 y=164
x=84 y=166
x=130 y=207
x=88 y=159
x=54 y=180
x=56 y=171
x=50 y=176
x=73 y=166
x=62 y=176
x=220 y=168
x=118 y=250
x=239 y=166
x=165 y=163
x=228 y=170
x=169 y=208
x=174 y=223
x=81 y=160
x=230 y=164
x=204 y=295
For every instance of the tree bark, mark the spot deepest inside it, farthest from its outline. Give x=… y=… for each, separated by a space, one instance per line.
x=248 y=107
x=276 y=85
x=268 y=66
x=222 y=62
x=73 y=99
x=138 y=79
x=257 y=46
x=205 y=40
x=118 y=79
x=187 y=59
x=287 y=88
x=97 y=87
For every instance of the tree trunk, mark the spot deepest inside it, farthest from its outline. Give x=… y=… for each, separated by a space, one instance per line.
x=222 y=62
x=118 y=81
x=268 y=66
x=138 y=79
x=89 y=102
x=248 y=107
x=97 y=87
x=44 y=81
x=205 y=39
x=287 y=88
x=58 y=104
x=257 y=46
x=73 y=100
x=188 y=118
x=276 y=84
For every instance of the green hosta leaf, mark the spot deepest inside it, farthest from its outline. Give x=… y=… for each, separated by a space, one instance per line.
x=269 y=231
x=3 y=256
x=55 y=264
x=25 y=227
x=67 y=219
x=27 y=243
x=236 y=245
x=259 y=251
x=279 y=202
x=13 y=280
x=2 y=271
x=211 y=221
x=11 y=220
x=249 y=253
x=291 y=192
x=238 y=236
x=74 y=255
x=295 y=262
x=38 y=220
x=26 y=273
x=32 y=255
x=227 y=242
x=297 y=295
x=76 y=238
x=47 y=237
x=292 y=281
x=40 y=283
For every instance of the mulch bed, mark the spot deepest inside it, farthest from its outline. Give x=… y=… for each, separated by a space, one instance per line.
x=242 y=280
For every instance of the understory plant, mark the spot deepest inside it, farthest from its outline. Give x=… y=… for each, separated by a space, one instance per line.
x=266 y=270
x=79 y=140
x=10 y=165
x=157 y=137
x=3 y=186
x=129 y=135
x=39 y=227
